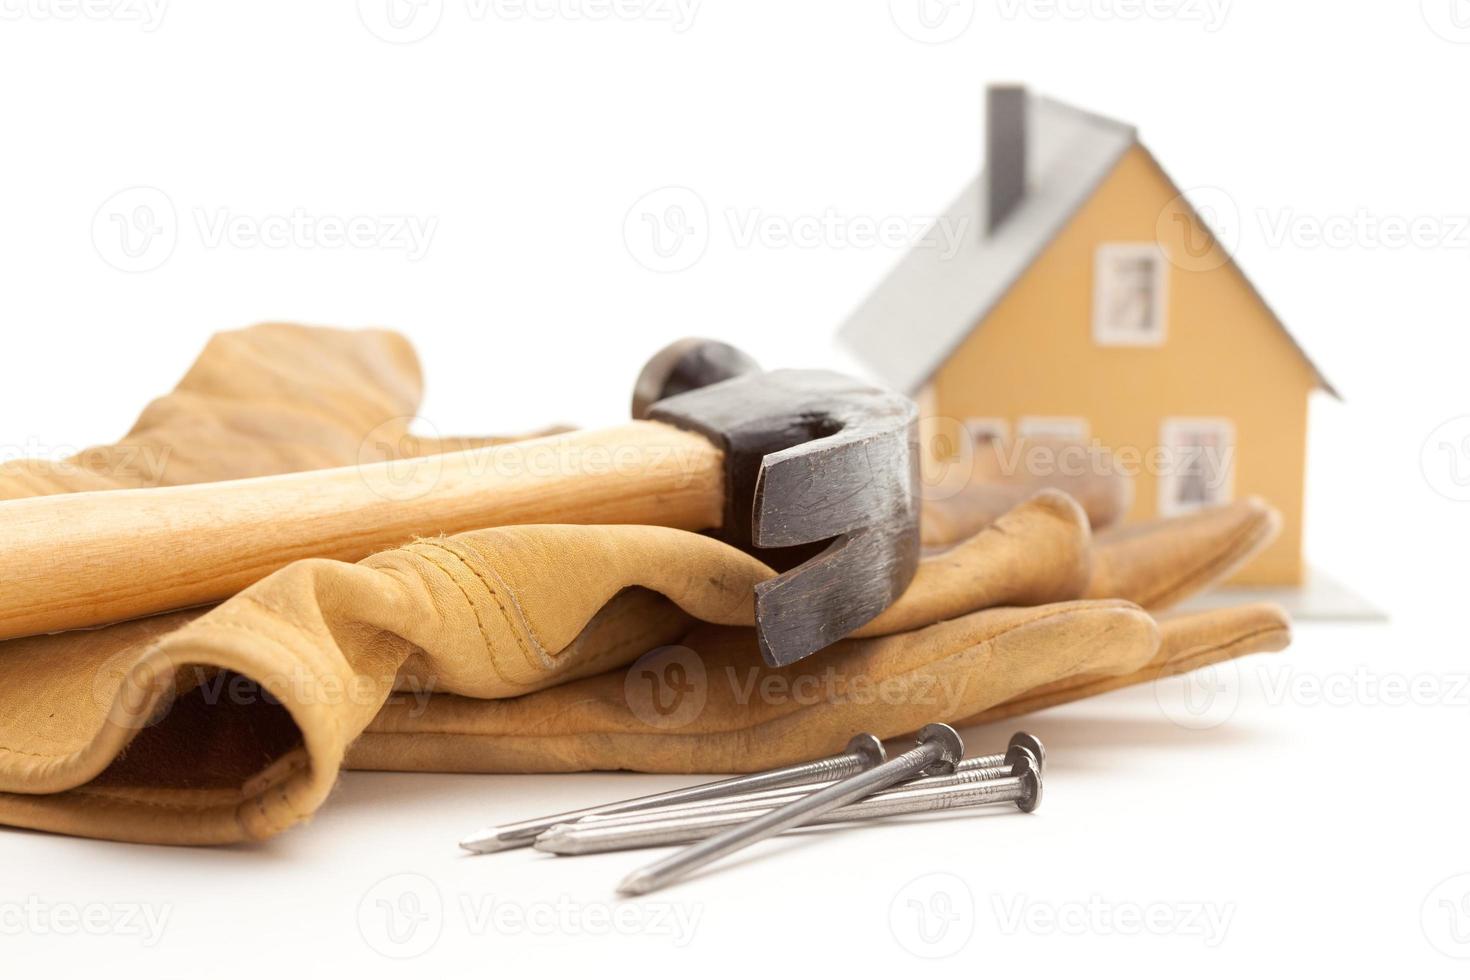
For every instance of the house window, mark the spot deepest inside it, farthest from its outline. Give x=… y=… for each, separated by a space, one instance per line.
x=1068 y=428
x=1129 y=300
x=1198 y=464
x=988 y=429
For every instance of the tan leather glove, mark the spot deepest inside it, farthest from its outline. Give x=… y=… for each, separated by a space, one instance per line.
x=508 y=649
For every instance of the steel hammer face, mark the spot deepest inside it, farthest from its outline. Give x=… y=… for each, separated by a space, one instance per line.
x=812 y=457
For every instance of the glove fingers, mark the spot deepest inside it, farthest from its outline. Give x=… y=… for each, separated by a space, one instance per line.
x=710 y=706
x=1188 y=643
x=1161 y=563
x=1035 y=554
x=1001 y=474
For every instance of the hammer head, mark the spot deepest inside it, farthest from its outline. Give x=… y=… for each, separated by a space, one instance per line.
x=813 y=457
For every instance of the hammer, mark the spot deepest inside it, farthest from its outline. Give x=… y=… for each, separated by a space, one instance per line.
x=807 y=469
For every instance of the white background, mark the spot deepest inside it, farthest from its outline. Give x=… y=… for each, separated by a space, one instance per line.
x=1325 y=826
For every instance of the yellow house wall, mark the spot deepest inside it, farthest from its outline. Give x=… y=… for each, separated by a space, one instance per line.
x=1223 y=355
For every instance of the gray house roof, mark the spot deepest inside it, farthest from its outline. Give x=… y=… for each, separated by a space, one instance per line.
x=931 y=301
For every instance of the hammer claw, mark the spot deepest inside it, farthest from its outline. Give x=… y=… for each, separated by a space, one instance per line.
x=813 y=457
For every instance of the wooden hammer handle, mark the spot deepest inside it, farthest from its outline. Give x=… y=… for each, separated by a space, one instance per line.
x=84 y=559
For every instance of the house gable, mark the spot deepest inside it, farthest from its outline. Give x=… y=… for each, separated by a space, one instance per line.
x=928 y=304
x=1224 y=354
x=1221 y=338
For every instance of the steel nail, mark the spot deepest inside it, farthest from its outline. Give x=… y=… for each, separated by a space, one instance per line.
x=1020 y=744
x=939 y=748
x=745 y=808
x=863 y=752
x=1022 y=787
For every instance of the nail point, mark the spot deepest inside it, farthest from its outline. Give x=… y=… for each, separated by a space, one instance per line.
x=555 y=840
x=489 y=841
x=640 y=882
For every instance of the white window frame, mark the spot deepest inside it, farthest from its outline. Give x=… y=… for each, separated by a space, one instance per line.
x=1069 y=427
x=988 y=427
x=1174 y=437
x=1105 y=286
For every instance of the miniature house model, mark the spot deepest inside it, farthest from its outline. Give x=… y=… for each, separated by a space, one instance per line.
x=1086 y=300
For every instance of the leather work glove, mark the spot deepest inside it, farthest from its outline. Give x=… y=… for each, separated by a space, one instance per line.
x=538 y=648
x=993 y=475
